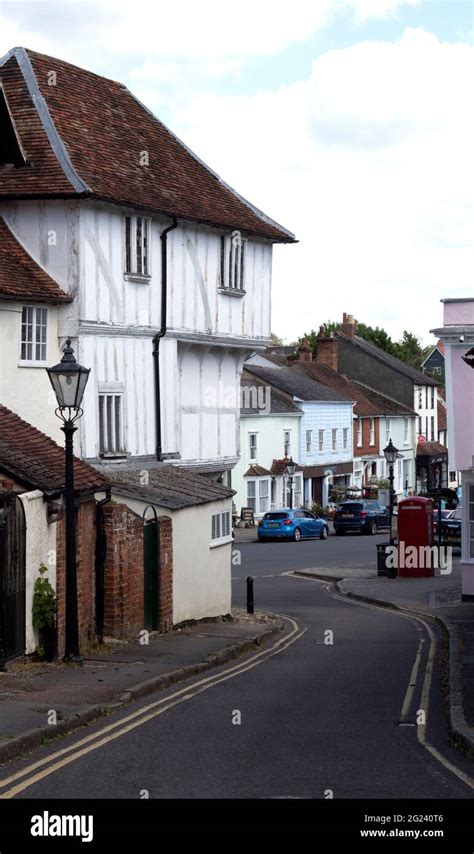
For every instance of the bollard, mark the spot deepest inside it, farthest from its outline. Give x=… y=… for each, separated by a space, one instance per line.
x=249 y=595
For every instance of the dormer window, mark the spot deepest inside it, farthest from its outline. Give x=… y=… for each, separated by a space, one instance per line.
x=137 y=243
x=11 y=149
x=232 y=262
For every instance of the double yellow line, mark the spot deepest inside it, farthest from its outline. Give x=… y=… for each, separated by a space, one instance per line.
x=60 y=758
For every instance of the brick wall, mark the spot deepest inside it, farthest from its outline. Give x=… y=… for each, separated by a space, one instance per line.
x=366 y=448
x=166 y=574
x=85 y=564
x=123 y=572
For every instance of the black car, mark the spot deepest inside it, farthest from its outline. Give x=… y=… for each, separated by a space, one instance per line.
x=450 y=528
x=366 y=516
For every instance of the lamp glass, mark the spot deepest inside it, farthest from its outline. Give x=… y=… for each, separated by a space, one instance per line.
x=390 y=453
x=69 y=380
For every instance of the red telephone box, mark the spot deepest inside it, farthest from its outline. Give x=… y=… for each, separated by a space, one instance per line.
x=415 y=530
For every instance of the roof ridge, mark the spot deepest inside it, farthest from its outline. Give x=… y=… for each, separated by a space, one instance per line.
x=380 y=354
x=57 y=145
x=259 y=213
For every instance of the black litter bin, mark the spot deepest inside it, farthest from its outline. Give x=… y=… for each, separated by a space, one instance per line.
x=382 y=558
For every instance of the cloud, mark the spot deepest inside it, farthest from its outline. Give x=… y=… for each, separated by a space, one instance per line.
x=187 y=30
x=369 y=161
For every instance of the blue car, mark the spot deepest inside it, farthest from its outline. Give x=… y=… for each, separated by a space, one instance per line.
x=291 y=525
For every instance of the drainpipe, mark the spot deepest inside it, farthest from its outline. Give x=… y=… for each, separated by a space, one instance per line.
x=161 y=334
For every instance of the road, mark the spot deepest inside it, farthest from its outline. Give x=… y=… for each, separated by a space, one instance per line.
x=306 y=719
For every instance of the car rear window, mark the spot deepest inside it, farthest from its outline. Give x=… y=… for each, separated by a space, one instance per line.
x=351 y=507
x=275 y=516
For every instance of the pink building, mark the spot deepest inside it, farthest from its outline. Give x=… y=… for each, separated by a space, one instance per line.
x=458 y=337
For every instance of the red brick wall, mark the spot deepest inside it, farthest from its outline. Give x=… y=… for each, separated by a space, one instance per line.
x=366 y=448
x=85 y=567
x=326 y=352
x=166 y=574
x=123 y=573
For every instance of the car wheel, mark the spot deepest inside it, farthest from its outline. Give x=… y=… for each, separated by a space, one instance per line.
x=372 y=528
x=297 y=535
x=324 y=533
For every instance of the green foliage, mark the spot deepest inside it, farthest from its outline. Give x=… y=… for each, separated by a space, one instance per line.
x=408 y=349
x=44 y=606
x=317 y=509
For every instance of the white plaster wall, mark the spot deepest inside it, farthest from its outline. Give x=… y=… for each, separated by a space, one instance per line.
x=49 y=231
x=27 y=390
x=270 y=429
x=408 y=450
x=201 y=574
x=40 y=548
x=326 y=416
x=208 y=402
x=426 y=412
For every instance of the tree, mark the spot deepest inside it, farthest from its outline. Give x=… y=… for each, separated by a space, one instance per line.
x=408 y=349
x=276 y=340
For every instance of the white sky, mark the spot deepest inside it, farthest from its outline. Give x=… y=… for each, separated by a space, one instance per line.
x=348 y=121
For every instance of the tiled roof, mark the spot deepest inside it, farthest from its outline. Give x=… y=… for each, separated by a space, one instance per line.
x=256 y=471
x=168 y=486
x=86 y=134
x=296 y=382
x=36 y=460
x=430 y=449
x=20 y=277
x=279 y=466
x=255 y=393
x=391 y=361
x=368 y=402
x=442 y=416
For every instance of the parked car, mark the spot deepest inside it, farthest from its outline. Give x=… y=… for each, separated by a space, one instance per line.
x=366 y=516
x=445 y=514
x=450 y=527
x=291 y=525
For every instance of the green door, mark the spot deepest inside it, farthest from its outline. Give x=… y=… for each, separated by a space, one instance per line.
x=151 y=573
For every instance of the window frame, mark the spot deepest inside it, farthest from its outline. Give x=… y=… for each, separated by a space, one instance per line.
x=253 y=435
x=372 y=432
x=287 y=450
x=114 y=391
x=309 y=442
x=33 y=363
x=334 y=440
x=232 y=266
x=345 y=438
x=130 y=253
x=360 y=440
x=224 y=518
x=321 y=441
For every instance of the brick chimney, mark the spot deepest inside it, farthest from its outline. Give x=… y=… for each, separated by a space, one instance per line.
x=305 y=352
x=326 y=349
x=7 y=484
x=349 y=325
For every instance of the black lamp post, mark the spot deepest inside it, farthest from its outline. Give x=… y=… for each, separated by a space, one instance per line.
x=69 y=380
x=390 y=453
x=290 y=471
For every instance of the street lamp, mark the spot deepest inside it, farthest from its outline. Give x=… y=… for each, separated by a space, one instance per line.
x=69 y=380
x=390 y=454
x=290 y=471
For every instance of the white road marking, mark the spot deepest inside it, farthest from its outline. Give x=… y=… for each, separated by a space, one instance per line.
x=138 y=718
x=425 y=692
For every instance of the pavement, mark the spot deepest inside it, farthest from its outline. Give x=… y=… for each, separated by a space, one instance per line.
x=438 y=597
x=39 y=700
